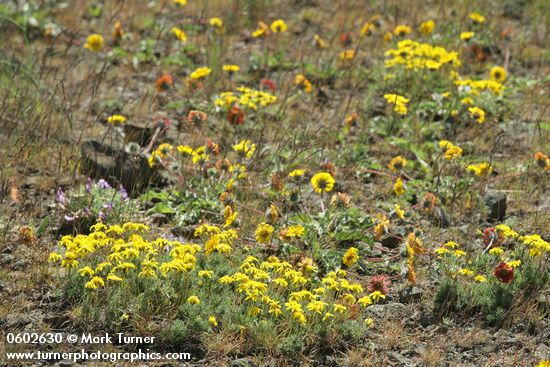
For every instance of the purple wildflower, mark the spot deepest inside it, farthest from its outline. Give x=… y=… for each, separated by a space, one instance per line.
x=103 y=184
x=89 y=185
x=123 y=193
x=60 y=196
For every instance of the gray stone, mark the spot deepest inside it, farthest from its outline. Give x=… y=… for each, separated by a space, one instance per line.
x=403 y=361
x=496 y=206
x=393 y=310
x=410 y=294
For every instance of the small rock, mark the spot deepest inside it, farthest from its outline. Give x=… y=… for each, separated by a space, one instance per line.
x=400 y=359
x=393 y=310
x=496 y=206
x=159 y=218
x=427 y=320
x=6 y=259
x=410 y=294
x=13 y=321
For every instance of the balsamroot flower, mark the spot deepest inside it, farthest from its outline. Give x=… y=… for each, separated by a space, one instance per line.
x=379 y=283
x=322 y=182
x=498 y=74
x=264 y=232
x=427 y=27
x=397 y=163
x=350 y=257
x=504 y=273
x=94 y=42
x=278 y=26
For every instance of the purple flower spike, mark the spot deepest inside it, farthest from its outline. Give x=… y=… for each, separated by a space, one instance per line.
x=103 y=184
x=70 y=218
x=86 y=211
x=108 y=206
x=60 y=196
x=123 y=193
x=102 y=216
x=89 y=185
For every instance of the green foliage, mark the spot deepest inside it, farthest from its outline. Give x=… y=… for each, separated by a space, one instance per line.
x=186 y=207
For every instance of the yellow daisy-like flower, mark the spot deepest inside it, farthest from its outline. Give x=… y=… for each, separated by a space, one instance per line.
x=466 y=272
x=278 y=26
x=95 y=283
x=216 y=22
x=480 y=278
x=179 y=33
x=264 y=233
x=201 y=72
x=322 y=182
x=303 y=83
x=399 y=187
x=476 y=17
x=231 y=68
x=116 y=119
x=212 y=321
x=466 y=36
x=179 y=2
x=496 y=251
x=206 y=274
x=350 y=257
x=263 y=30
x=194 y=300
x=397 y=163
x=367 y=29
x=498 y=74
x=402 y=30
x=514 y=263
x=400 y=102
x=296 y=173
x=94 y=42
x=347 y=55
x=427 y=27
x=477 y=114
x=481 y=169
x=54 y=257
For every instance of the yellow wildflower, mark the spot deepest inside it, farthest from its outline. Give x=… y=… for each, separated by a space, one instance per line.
x=94 y=42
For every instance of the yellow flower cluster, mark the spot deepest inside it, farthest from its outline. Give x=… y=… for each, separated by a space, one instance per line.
x=159 y=154
x=116 y=119
x=245 y=148
x=198 y=156
x=450 y=247
x=536 y=244
x=246 y=97
x=201 y=72
x=399 y=102
x=179 y=33
x=417 y=56
x=451 y=151
x=270 y=285
x=216 y=239
x=475 y=87
x=482 y=169
x=119 y=252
